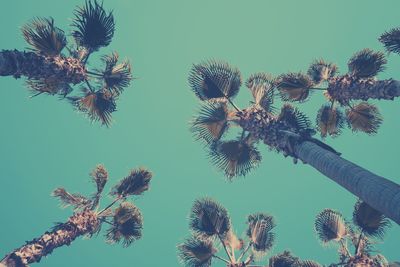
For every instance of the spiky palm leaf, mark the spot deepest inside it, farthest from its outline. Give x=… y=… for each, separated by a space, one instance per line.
x=44 y=37
x=94 y=28
x=196 y=252
x=235 y=157
x=259 y=231
x=364 y=117
x=330 y=121
x=232 y=241
x=262 y=86
x=67 y=199
x=116 y=77
x=294 y=86
x=100 y=177
x=294 y=118
x=213 y=79
x=137 y=182
x=309 y=263
x=370 y=221
x=330 y=226
x=209 y=218
x=127 y=225
x=366 y=63
x=321 y=71
x=284 y=259
x=49 y=86
x=391 y=40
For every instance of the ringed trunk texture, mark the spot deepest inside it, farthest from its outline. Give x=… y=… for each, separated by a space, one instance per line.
x=34 y=66
x=380 y=193
x=79 y=224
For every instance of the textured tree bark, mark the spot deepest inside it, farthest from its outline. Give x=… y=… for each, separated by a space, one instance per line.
x=379 y=192
x=31 y=65
x=79 y=224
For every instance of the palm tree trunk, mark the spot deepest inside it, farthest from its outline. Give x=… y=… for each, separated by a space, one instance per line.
x=34 y=66
x=380 y=193
x=79 y=224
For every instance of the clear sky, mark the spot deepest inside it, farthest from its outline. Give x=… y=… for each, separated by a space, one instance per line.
x=44 y=144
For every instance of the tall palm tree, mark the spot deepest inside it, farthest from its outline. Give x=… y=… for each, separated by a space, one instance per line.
x=210 y=225
x=125 y=221
x=50 y=71
x=288 y=131
x=368 y=225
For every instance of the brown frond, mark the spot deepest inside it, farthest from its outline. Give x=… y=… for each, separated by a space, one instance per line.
x=330 y=226
x=321 y=71
x=100 y=177
x=366 y=63
x=294 y=86
x=67 y=199
x=330 y=121
x=262 y=87
x=364 y=117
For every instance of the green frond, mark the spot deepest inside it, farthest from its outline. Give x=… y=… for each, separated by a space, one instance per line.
x=391 y=40
x=330 y=121
x=321 y=71
x=49 y=86
x=127 y=225
x=284 y=259
x=67 y=199
x=137 y=182
x=372 y=222
x=214 y=79
x=44 y=37
x=366 y=63
x=196 y=252
x=309 y=263
x=294 y=118
x=99 y=176
x=208 y=218
x=364 y=117
x=116 y=77
x=262 y=87
x=94 y=27
x=330 y=226
x=212 y=122
x=294 y=86
x=259 y=230
x=234 y=157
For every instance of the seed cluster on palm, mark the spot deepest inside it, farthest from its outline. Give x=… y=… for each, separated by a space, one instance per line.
x=367 y=226
x=55 y=67
x=125 y=221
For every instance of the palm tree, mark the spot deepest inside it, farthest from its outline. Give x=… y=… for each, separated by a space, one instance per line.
x=49 y=71
x=288 y=131
x=368 y=225
x=210 y=224
x=125 y=221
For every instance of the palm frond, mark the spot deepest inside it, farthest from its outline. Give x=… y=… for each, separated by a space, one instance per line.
x=100 y=177
x=44 y=37
x=369 y=220
x=330 y=226
x=309 y=263
x=259 y=231
x=380 y=261
x=94 y=27
x=232 y=241
x=127 y=225
x=284 y=259
x=209 y=218
x=214 y=79
x=212 y=122
x=196 y=252
x=234 y=157
x=321 y=71
x=116 y=77
x=366 y=63
x=330 y=121
x=262 y=86
x=49 y=86
x=294 y=86
x=391 y=40
x=137 y=182
x=364 y=117
x=294 y=118
x=67 y=199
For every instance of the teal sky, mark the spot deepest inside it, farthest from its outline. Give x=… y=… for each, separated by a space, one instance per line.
x=44 y=144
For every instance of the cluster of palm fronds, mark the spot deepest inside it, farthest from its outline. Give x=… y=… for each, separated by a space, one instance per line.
x=93 y=28
x=368 y=226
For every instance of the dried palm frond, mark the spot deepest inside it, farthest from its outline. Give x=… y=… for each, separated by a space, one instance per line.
x=137 y=182
x=364 y=117
x=294 y=86
x=309 y=263
x=321 y=71
x=116 y=76
x=391 y=40
x=330 y=226
x=212 y=122
x=234 y=157
x=67 y=199
x=370 y=221
x=262 y=86
x=44 y=37
x=284 y=259
x=49 y=86
x=294 y=118
x=366 y=63
x=127 y=225
x=94 y=27
x=209 y=218
x=330 y=121
x=196 y=252
x=100 y=177
x=232 y=241
x=213 y=79
x=259 y=231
